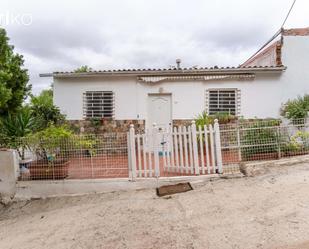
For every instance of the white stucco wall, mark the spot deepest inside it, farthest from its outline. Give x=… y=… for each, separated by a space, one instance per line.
x=261 y=97
x=69 y=95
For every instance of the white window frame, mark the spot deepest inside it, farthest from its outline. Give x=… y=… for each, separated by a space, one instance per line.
x=101 y=107
x=237 y=99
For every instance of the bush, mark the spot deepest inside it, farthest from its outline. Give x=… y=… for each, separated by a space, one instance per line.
x=262 y=137
x=18 y=125
x=44 y=110
x=298 y=142
x=297 y=108
x=205 y=119
x=59 y=142
x=13 y=127
x=51 y=142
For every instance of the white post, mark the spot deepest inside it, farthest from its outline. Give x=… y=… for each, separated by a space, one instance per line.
x=195 y=152
x=155 y=140
x=8 y=168
x=132 y=152
x=218 y=146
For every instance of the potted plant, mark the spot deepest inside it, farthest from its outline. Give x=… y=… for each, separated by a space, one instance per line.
x=50 y=147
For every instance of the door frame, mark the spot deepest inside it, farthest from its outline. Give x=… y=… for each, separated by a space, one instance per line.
x=171 y=108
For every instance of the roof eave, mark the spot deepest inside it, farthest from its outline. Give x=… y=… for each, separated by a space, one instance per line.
x=165 y=72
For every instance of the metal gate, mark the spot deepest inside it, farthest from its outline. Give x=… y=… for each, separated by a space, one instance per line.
x=184 y=150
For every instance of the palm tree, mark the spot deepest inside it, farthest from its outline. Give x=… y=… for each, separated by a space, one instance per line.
x=15 y=127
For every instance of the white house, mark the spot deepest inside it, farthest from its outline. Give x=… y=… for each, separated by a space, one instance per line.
x=255 y=89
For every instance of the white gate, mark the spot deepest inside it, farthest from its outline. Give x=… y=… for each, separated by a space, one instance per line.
x=183 y=150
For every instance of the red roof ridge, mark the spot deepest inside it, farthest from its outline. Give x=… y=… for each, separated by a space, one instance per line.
x=296 y=32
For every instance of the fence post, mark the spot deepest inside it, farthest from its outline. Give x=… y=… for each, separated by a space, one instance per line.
x=307 y=123
x=195 y=152
x=278 y=142
x=155 y=141
x=132 y=153
x=218 y=146
x=238 y=143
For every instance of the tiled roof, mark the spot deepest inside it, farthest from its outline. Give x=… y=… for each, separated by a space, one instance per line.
x=167 y=71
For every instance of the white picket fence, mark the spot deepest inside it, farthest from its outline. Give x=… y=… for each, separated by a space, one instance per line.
x=183 y=150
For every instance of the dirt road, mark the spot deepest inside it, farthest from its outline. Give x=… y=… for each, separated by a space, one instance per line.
x=269 y=211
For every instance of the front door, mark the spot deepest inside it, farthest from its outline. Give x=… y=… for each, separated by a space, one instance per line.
x=159 y=111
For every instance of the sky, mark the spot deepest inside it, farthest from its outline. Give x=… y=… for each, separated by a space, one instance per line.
x=62 y=35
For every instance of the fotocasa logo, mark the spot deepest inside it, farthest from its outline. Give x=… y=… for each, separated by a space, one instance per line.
x=9 y=18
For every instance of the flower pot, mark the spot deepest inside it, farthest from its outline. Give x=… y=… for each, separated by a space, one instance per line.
x=43 y=169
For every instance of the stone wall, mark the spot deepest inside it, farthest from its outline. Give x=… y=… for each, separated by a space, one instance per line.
x=182 y=122
x=103 y=126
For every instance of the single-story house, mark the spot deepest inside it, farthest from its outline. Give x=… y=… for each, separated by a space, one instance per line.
x=257 y=88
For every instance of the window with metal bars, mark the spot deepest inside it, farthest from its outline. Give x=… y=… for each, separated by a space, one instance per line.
x=222 y=101
x=98 y=104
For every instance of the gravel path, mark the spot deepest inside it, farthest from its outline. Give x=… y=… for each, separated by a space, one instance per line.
x=269 y=211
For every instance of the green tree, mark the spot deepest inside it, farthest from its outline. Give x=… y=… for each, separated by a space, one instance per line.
x=83 y=69
x=44 y=110
x=14 y=87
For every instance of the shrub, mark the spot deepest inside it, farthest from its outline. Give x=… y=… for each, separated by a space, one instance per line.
x=59 y=142
x=205 y=119
x=51 y=142
x=297 y=108
x=87 y=144
x=44 y=110
x=298 y=142
x=16 y=126
x=262 y=137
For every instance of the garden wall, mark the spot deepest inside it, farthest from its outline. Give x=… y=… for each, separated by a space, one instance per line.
x=103 y=126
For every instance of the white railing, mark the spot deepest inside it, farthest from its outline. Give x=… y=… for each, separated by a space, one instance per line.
x=183 y=150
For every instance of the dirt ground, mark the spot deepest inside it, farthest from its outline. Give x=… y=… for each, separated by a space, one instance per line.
x=269 y=211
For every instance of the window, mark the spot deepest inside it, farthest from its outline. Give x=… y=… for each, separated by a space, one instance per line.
x=223 y=101
x=98 y=104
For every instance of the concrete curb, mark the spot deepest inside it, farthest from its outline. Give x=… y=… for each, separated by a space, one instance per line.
x=26 y=190
x=45 y=189
x=259 y=168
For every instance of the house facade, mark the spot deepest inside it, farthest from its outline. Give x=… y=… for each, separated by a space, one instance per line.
x=257 y=88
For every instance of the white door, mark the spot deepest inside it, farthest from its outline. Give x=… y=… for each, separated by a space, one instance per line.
x=159 y=110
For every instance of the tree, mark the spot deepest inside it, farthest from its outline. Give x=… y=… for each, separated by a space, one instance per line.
x=83 y=69
x=14 y=87
x=44 y=110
